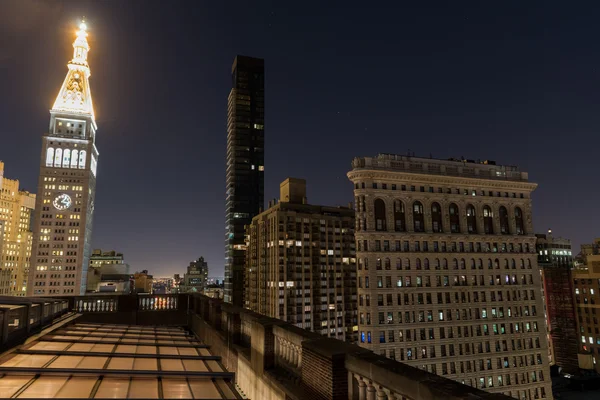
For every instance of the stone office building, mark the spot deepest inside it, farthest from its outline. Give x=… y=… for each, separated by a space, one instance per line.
x=447 y=271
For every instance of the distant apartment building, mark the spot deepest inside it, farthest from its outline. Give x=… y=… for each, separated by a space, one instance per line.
x=16 y=211
x=196 y=277
x=556 y=264
x=447 y=271
x=142 y=282
x=586 y=282
x=301 y=264
x=108 y=273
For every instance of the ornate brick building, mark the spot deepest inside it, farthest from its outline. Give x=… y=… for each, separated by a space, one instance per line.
x=447 y=271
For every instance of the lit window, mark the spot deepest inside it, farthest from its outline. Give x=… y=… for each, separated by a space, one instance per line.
x=49 y=157
x=261 y=167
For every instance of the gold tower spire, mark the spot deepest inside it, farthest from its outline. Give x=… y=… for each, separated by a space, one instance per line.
x=75 y=95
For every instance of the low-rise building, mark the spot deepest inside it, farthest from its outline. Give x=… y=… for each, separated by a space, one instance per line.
x=142 y=282
x=108 y=273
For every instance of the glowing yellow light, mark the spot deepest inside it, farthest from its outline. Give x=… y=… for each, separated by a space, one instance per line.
x=83 y=26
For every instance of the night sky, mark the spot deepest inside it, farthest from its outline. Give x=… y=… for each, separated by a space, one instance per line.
x=507 y=81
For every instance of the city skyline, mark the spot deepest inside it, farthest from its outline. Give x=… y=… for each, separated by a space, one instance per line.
x=403 y=83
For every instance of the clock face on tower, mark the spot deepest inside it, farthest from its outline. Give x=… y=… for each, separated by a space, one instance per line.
x=62 y=202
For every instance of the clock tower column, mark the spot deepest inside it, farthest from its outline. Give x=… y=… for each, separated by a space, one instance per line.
x=67 y=185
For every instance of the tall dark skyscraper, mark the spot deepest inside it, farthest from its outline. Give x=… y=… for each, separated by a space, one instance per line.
x=245 y=166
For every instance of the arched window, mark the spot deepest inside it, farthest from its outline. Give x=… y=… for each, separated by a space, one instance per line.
x=462 y=263
x=407 y=264
x=82 y=155
x=426 y=263
x=488 y=220
x=505 y=264
x=528 y=264
x=418 y=263
x=378 y=264
x=490 y=266
x=480 y=264
x=58 y=157
x=454 y=263
x=471 y=219
x=522 y=263
x=436 y=217
x=66 y=158
x=49 y=157
x=497 y=263
x=418 y=218
x=379 y=215
x=519 y=221
x=398 y=263
x=454 y=218
x=444 y=264
x=399 y=216
x=473 y=263
x=436 y=263
x=503 y=214
x=74 y=158
x=387 y=264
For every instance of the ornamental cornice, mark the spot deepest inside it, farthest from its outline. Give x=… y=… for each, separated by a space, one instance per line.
x=439 y=179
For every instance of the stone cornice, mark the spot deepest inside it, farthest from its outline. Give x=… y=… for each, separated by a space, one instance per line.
x=399 y=176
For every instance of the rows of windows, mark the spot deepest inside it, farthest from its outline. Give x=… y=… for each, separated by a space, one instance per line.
x=443 y=264
x=443 y=246
x=453 y=215
x=66 y=158
x=440 y=190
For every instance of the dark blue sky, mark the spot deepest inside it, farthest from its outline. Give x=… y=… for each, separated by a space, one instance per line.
x=516 y=82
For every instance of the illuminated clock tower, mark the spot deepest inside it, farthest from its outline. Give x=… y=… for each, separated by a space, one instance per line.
x=66 y=187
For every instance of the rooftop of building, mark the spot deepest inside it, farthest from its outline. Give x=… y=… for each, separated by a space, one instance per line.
x=292 y=197
x=111 y=347
x=460 y=167
x=114 y=361
x=98 y=254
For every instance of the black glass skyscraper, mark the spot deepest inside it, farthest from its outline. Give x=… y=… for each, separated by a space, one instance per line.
x=245 y=166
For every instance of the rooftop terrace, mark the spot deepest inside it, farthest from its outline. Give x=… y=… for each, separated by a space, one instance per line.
x=191 y=346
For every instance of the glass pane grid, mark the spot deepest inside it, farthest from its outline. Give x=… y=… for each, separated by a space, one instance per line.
x=130 y=355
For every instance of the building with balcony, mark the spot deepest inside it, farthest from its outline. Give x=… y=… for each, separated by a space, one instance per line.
x=447 y=271
x=556 y=264
x=16 y=214
x=301 y=265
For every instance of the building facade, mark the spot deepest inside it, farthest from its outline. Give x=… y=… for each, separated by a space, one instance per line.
x=142 y=282
x=447 y=271
x=245 y=166
x=108 y=273
x=555 y=260
x=16 y=212
x=66 y=186
x=196 y=277
x=301 y=264
x=586 y=284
